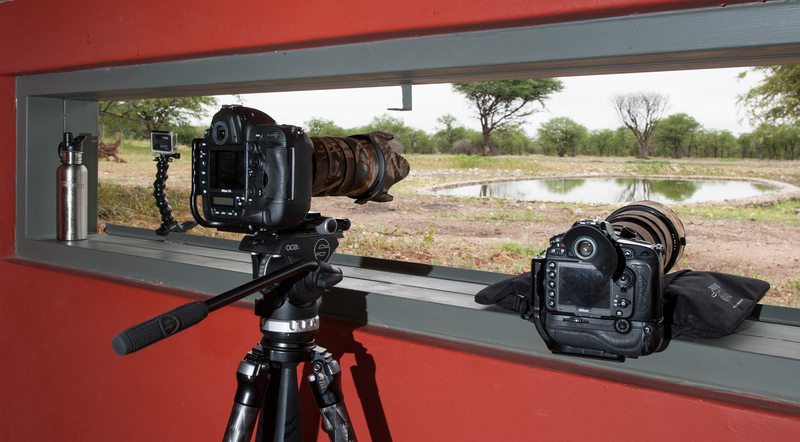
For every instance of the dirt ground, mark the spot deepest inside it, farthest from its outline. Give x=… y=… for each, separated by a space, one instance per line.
x=502 y=235
x=766 y=250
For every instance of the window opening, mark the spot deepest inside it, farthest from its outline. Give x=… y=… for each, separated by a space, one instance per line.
x=709 y=132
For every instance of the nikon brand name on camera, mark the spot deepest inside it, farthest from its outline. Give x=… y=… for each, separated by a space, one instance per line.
x=254 y=174
x=598 y=288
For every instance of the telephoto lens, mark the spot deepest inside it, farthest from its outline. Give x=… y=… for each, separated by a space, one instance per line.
x=655 y=223
x=362 y=167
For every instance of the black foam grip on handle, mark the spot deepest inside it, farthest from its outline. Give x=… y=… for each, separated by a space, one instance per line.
x=156 y=329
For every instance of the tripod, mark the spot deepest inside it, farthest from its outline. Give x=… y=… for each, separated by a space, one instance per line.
x=267 y=376
x=290 y=268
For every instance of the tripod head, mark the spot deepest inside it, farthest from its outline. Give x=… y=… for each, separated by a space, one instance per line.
x=289 y=310
x=289 y=268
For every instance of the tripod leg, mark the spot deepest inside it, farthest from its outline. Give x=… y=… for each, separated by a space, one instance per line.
x=252 y=378
x=280 y=413
x=327 y=387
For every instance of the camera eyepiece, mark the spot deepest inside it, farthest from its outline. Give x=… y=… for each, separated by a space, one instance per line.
x=585 y=248
x=219 y=133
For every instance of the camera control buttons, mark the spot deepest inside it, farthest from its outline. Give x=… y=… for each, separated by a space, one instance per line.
x=551 y=274
x=627 y=253
x=551 y=284
x=623 y=303
x=551 y=265
x=625 y=279
x=551 y=303
x=622 y=325
x=551 y=294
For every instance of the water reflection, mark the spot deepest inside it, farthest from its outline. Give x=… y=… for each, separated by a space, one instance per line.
x=613 y=190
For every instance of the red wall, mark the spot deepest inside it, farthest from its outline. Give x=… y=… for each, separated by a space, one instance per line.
x=59 y=379
x=8 y=130
x=46 y=35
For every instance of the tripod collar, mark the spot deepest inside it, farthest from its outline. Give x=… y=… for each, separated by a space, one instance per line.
x=292 y=326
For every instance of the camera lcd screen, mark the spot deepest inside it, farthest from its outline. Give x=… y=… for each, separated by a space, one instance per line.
x=227 y=169
x=222 y=201
x=582 y=287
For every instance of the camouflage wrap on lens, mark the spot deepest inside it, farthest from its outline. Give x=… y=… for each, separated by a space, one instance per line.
x=351 y=166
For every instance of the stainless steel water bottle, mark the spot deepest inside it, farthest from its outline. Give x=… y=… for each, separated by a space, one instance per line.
x=71 y=195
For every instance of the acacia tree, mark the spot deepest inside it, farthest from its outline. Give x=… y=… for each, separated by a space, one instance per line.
x=776 y=99
x=640 y=113
x=140 y=117
x=506 y=102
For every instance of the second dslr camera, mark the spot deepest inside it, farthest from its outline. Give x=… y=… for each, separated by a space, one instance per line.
x=597 y=290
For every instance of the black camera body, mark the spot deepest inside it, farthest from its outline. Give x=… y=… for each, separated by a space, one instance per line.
x=252 y=173
x=598 y=293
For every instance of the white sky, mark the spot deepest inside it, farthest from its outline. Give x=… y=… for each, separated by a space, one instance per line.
x=707 y=95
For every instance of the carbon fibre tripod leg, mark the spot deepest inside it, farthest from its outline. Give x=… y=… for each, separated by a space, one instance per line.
x=326 y=384
x=252 y=378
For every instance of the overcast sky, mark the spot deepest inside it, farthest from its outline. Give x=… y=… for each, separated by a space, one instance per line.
x=707 y=95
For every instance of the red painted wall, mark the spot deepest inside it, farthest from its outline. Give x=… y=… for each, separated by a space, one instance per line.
x=59 y=379
x=8 y=140
x=46 y=35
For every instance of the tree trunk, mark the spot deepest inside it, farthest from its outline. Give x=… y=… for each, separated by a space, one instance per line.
x=485 y=151
x=644 y=149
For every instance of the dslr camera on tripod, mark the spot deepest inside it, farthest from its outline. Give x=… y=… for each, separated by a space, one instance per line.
x=254 y=174
x=257 y=177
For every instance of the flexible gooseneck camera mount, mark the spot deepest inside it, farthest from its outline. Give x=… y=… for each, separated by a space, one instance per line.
x=168 y=223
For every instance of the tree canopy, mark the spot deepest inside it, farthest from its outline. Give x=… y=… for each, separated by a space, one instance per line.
x=137 y=118
x=501 y=103
x=562 y=135
x=675 y=134
x=776 y=99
